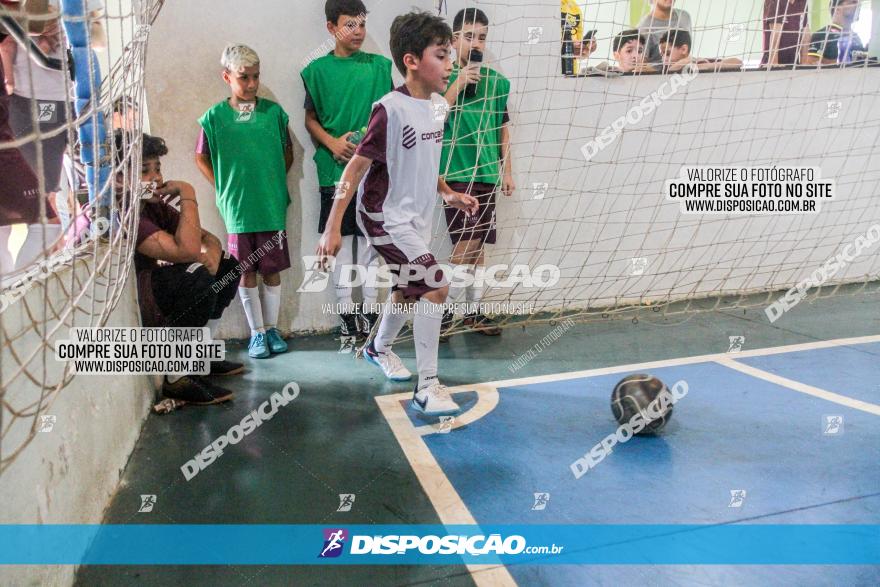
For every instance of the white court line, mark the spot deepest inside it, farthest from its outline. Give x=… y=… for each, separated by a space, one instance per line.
x=445 y=499
x=801 y=387
x=451 y=509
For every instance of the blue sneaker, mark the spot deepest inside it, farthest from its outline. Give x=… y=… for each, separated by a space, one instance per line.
x=276 y=343
x=257 y=347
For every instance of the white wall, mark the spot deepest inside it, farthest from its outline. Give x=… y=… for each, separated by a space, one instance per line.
x=69 y=474
x=597 y=216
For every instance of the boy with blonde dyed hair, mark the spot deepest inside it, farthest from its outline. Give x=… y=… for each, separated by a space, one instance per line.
x=245 y=150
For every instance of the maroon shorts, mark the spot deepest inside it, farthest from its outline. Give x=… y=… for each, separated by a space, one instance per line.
x=480 y=226
x=425 y=264
x=260 y=252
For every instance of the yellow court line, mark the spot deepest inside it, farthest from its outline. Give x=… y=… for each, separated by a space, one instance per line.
x=802 y=387
x=445 y=499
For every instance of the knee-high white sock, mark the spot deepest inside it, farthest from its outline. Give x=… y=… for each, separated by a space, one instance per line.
x=7 y=263
x=214 y=324
x=253 y=309
x=271 y=300
x=426 y=332
x=344 y=258
x=366 y=258
x=389 y=327
x=475 y=295
x=32 y=248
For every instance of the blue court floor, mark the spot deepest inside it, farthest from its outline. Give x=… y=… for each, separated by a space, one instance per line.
x=786 y=435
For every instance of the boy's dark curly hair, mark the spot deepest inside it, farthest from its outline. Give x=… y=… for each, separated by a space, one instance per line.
x=414 y=32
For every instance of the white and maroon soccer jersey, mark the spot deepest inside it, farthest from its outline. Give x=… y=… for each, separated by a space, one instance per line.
x=397 y=197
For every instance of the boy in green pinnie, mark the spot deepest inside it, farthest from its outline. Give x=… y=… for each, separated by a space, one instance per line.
x=245 y=150
x=476 y=157
x=341 y=88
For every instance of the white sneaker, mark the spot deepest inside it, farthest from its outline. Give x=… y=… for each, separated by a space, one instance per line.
x=434 y=400
x=390 y=363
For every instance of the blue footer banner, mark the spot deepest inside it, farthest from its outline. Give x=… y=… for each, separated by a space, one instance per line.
x=158 y=544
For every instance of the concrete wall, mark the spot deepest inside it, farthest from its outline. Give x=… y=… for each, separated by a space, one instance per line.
x=66 y=475
x=596 y=216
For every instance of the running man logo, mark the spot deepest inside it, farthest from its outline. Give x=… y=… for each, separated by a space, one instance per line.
x=147 y=503
x=245 y=112
x=833 y=109
x=639 y=264
x=541 y=501
x=535 y=33
x=346 y=500
x=735 y=32
x=539 y=190
x=47 y=423
x=445 y=424
x=47 y=111
x=334 y=542
x=441 y=110
x=736 y=344
x=341 y=188
x=315 y=280
x=832 y=425
x=737 y=498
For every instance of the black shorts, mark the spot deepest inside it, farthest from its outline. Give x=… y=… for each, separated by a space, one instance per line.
x=186 y=295
x=479 y=227
x=349 y=219
x=53 y=114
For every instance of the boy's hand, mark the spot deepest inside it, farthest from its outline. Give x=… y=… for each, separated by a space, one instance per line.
x=465 y=202
x=328 y=246
x=342 y=150
x=507 y=184
x=470 y=74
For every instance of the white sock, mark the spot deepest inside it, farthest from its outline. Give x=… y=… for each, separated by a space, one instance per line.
x=475 y=296
x=389 y=327
x=250 y=299
x=344 y=258
x=426 y=331
x=457 y=288
x=214 y=324
x=32 y=249
x=271 y=299
x=366 y=258
x=7 y=263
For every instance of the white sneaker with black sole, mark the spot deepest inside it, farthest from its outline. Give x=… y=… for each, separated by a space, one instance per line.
x=390 y=363
x=434 y=400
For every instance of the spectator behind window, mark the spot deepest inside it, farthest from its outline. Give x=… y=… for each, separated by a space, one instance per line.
x=629 y=51
x=837 y=42
x=786 y=32
x=662 y=18
x=675 y=48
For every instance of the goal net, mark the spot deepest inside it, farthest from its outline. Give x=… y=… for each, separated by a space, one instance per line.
x=75 y=72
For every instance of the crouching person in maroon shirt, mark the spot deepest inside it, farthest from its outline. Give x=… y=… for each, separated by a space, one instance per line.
x=184 y=277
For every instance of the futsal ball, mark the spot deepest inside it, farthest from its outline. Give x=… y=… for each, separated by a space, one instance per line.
x=641 y=394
